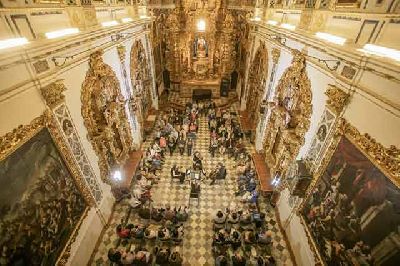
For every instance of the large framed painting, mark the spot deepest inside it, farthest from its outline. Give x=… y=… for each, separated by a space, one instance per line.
x=352 y=213
x=42 y=199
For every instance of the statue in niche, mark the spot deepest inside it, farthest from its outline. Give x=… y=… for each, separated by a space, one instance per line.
x=200 y=48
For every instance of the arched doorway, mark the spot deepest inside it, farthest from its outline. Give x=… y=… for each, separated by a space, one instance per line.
x=290 y=116
x=104 y=115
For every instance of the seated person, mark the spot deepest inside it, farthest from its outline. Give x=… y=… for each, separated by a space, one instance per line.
x=138 y=232
x=233 y=219
x=143 y=257
x=114 y=255
x=122 y=231
x=270 y=261
x=249 y=237
x=265 y=237
x=127 y=258
x=218 y=173
x=236 y=241
x=221 y=261
x=162 y=256
x=164 y=233
x=197 y=161
x=176 y=173
x=150 y=233
x=134 y=202
x=220 y=238
x=156 y=215
x=245 y=218
x=182 y=214
x=169 y=214
x=250 y=197
x=259 y=219
x=219 y=220
x=175 y=259
x=238 y=260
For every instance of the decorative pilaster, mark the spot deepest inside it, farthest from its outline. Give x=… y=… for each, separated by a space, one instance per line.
x=55 y=99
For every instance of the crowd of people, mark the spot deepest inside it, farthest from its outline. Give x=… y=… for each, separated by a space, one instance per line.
x=236 y=233
x=141 y=256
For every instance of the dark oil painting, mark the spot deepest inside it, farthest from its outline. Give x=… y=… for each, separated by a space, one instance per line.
x=353 y=212
x=40 y=204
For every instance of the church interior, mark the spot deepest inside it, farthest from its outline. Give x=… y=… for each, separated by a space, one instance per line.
x=195 y=132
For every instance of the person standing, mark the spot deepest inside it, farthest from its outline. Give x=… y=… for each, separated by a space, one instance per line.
x=171 y=145
x=181 y=145
x=189 y=147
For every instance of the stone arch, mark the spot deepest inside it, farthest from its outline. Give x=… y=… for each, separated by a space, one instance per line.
x=257 y=78
x=104 y=115
x=290 y=115
x=141 y=80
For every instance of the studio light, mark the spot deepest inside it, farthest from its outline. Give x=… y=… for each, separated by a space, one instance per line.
x=201 y=25
x=8 y=43
x=288 y=26
x=117 y=175
x=61 y=33
x=330 y=38
x=381 y=51
x=126 y=20
x=272 y=22
x=109 y=23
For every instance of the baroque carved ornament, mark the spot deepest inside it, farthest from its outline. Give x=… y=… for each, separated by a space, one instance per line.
x=290 y=115
x=53 y=93
x=103 y=112
x=337 y=99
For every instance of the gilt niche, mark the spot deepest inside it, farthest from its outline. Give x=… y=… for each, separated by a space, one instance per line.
x=141 y=81
x=290 y=115
x=104 y=115
x=257 y=82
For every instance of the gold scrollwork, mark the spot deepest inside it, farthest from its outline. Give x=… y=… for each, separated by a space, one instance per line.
x=290 y=116
x=53 y=93
x=337 y=99
x=104 y=116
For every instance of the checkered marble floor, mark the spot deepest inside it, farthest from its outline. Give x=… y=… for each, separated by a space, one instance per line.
x=196 y=247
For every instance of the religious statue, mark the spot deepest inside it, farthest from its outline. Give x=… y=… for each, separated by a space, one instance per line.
x=200 y=48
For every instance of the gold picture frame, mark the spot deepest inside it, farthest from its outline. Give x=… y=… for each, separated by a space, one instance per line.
x=12 y=141
x=386 y=159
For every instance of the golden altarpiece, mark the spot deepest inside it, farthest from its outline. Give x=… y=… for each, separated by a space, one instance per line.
x=103 y=112
x=200 y=43
x=140 y=97
x=289 y=116
x=257 y=83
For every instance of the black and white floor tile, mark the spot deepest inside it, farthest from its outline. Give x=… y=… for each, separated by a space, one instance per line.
x=196 y=247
